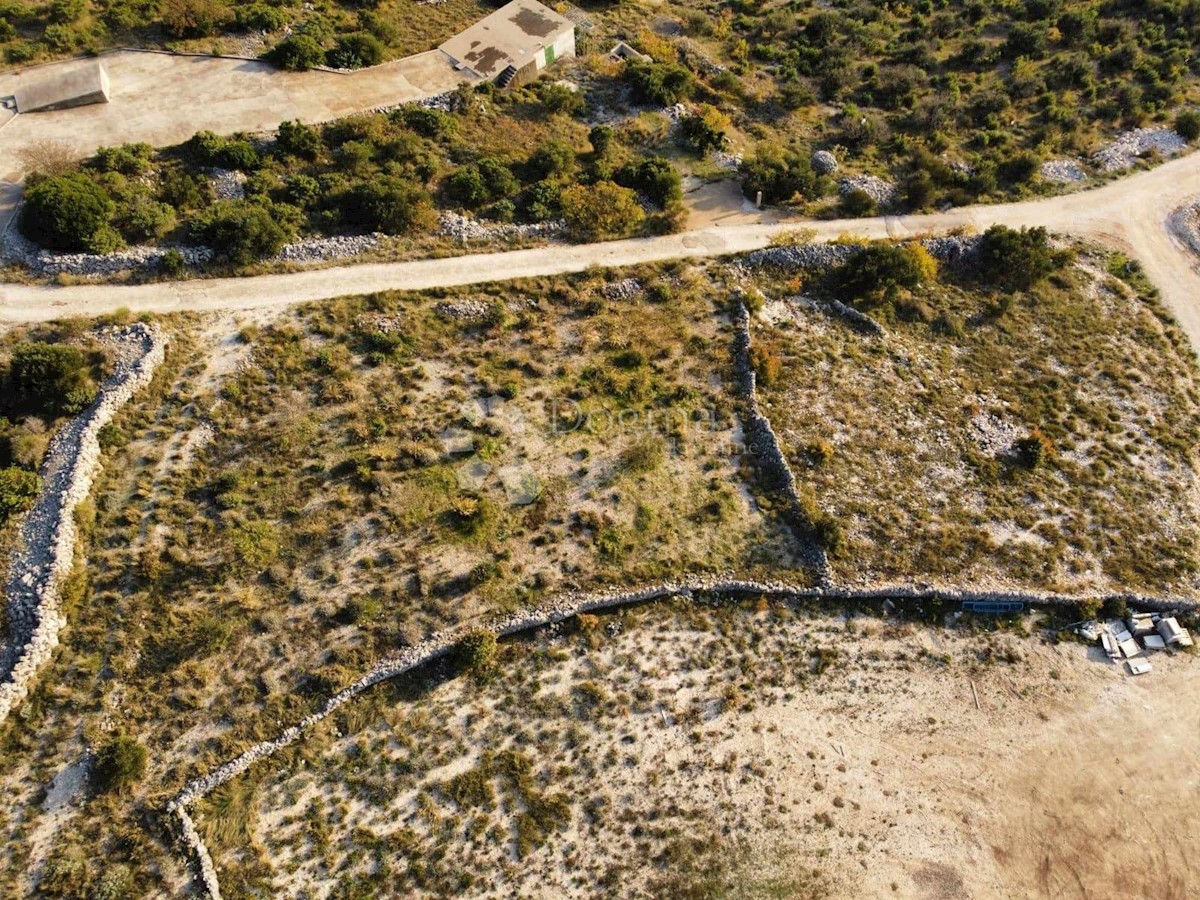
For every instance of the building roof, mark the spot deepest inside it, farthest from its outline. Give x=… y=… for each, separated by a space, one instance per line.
x=511 y=36
x=56 y=87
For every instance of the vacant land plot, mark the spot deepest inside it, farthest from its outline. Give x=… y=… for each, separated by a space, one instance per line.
x=913 y=441
x=680 y=751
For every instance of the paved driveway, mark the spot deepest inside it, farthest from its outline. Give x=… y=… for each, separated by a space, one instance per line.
x=163 y=99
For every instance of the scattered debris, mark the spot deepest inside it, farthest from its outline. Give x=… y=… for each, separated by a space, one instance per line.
x=1138 y=667
x=1119 y=637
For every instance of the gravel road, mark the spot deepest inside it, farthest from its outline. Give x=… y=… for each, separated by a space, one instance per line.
x=1130 y=213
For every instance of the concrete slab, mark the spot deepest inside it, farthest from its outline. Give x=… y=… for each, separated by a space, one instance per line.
x=164 y=99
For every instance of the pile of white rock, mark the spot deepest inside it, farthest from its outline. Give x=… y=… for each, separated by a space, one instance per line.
x=1063 y=171
x=464 y=228
x=878 y=189
x=1185 y=225
x=46 y=546
x=321 y=249
x=1133 y=145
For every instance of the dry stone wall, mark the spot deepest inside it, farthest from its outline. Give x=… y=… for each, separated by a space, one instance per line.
x=46 y=545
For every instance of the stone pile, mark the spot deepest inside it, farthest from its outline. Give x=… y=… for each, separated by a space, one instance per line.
x=878 y=189
x=321 y=249
x=1133 y=145
x=15 y=248
x=1185 y=225
x=228 y=184
x=1063 y=171
x=46 y=545
x=824 y=162
x=949 y=249
x=464 y=228
x=623 y=290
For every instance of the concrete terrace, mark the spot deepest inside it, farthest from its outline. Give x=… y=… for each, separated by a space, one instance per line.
x=164 y=99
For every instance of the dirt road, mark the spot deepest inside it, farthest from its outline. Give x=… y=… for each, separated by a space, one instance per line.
x=1129 y=213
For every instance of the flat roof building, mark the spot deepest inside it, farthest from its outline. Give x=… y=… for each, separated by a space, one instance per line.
x=62 y=87
x=514 y=43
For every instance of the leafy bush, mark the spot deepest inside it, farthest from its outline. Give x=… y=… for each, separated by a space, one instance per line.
x=655 y=177
x=425 y=121
x=663 y=84
x=1015 y=260
x=298 y=53
x=355 y=51
x=781 y=174
x=1033 y=450
x=128 y=159
x=601 y=210
x=878 y=272
x=298 y=139
x=68 y=212
x=260 y=17
x=388 y=204
x=1187 y=123
x=239 y=231
x=466 y=187
x=558 y=98
x=705 y=130
x=120 y=763
x=50 y=376
x=552 y=158
x=18 y=490
x=193 y=18
x=476 y=654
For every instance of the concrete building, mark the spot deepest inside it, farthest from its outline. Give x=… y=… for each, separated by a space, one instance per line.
x=513 y=44
x=62 y=87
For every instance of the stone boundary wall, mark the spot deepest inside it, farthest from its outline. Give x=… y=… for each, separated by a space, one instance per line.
x=558 y=610
x=949 y=250
x=1185 y=224
x=46 y=545
x=762 y=440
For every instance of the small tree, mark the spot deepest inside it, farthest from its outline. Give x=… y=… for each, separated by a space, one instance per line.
x=1015 y=260
x=68 y=212
x=601 y=210
x=552 y=158
x=878 y=272
x=356 y=51
x=476 y=654
x=50 y=376
x=240 y=231
x=1187 y=123
x=655 y=177
x=664 y=84
x=298 y=139
x=119 y=764
x=18 y=489
x=298 y=53
x=466 y=187
x=705 y=130
x=388 y=204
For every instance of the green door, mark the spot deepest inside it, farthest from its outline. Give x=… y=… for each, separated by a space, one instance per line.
x=550 y=54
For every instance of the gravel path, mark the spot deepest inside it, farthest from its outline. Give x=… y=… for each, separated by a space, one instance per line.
x=1130 y=213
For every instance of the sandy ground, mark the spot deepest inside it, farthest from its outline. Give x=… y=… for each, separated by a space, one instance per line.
x=164 y=99
x=1130 y=213
x=917 y=766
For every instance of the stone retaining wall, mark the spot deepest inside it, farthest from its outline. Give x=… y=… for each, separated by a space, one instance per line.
x=46 y=545
x=764 y=443
x=558 y=610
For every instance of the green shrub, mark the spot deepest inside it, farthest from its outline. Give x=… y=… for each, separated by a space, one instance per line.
x=145 y=219
x=705 y=130
x=552 y=158
x=298 y=53
x=559 y=98
x=68 y=212
x=601 y=210
x=466 y=187
x=858 y=203
x=1187 y=123
x=425 y=121
x=18 y=491
x=260 y=17
x=388 y=204
x=193 y=18
x=1015 y=260
x=476 y=654
x=128 y=159
x=50 y=376
x=1033 y=450
x=878 y=272
x=655 y=177
x=663 y=84
x=119 y=764
x=355 y=51
x=781 y=174
x=239 y=231
x=298 y=139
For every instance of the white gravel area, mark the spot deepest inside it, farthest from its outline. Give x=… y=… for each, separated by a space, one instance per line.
x=1063 y=171
x=1131 y=146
